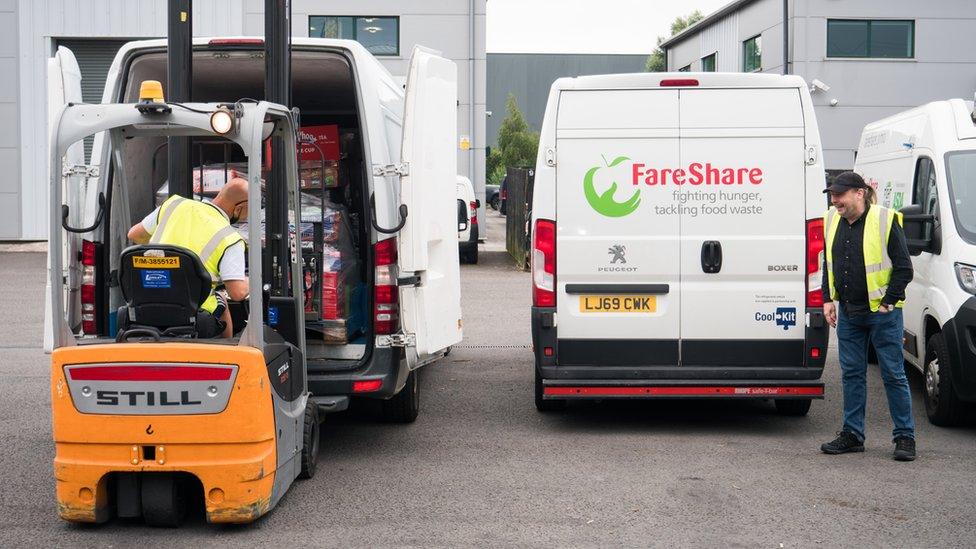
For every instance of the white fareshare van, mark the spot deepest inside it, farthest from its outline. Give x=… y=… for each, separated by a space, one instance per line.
x=923 y=162
x=395 y=200
x=677 y=240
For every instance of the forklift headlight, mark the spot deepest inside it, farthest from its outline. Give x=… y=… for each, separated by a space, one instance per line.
x=222 y=121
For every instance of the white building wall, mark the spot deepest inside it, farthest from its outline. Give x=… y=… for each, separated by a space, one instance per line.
x=720 y=38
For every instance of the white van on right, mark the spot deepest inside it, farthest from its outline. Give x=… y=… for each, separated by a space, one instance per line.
x=923 y=162
x=677 y=240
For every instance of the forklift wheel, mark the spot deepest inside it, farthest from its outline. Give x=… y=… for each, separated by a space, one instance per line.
x=310 y=440
x=163 y=500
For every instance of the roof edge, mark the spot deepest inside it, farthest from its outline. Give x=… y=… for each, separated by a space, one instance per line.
x=707 y=20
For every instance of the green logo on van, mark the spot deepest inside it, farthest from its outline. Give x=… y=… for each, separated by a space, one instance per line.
x=604 y=204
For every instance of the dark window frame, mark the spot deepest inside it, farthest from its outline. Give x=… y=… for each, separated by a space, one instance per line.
x=745 y=53
x=355 y=37
x=686 y=68
x=870 y=22
x=714 y=57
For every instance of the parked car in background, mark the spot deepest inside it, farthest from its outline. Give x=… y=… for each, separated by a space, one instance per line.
x=467 y=210
x=923 y=162
x=493 y=196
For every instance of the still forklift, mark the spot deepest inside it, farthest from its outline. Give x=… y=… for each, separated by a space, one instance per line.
x=147 y=419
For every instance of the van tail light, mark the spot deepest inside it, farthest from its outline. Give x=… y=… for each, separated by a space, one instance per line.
x=504 y=194
x=474 y=212
x=88 y=324
x=815 y=259
x=678 y=82
x=544 y=263
x=386 y=302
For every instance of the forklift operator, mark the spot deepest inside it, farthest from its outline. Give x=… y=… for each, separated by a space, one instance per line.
x=204 y=227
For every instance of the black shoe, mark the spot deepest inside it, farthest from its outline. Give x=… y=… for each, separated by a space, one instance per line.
x=904 y=449
x=844 y=443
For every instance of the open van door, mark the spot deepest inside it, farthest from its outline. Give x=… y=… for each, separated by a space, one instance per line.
x=430 y=304
x=64 y=86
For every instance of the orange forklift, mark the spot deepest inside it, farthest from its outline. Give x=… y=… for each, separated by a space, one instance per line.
x=154 y=415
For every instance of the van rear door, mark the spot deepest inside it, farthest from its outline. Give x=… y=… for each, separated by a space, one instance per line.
x=64 y=86
x=430 y=309
x=617 y=256
x=743 y=239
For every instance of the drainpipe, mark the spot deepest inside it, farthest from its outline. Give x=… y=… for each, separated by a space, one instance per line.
x=786 y=36
x=471 y=109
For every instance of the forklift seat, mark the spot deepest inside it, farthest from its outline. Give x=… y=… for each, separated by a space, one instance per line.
x=163 y=287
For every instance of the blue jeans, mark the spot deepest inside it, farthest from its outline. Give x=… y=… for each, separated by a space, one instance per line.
x=885 y=331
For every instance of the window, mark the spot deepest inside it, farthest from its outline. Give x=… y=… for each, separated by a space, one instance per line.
x=379 y=35
x=686 y=68
x=870 y=38
x=708 y=63
x=961 y=173
x=752 y=54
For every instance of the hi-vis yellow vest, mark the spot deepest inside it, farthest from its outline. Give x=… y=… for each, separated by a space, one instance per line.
x=877 y=264
x=199 y=227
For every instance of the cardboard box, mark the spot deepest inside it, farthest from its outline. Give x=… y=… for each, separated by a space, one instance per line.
x=325 y=137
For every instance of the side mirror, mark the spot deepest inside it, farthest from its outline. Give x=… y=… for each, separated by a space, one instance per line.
x=914 y=222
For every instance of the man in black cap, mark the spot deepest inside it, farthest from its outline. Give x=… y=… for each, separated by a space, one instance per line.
x=867 y=267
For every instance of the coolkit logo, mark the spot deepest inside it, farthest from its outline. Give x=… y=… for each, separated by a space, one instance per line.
x=784 y=316
x=605 y=204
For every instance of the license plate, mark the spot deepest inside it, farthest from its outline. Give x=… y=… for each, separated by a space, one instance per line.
x=618 y=303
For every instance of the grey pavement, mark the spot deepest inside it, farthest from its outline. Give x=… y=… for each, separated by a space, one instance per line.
x=482 y=467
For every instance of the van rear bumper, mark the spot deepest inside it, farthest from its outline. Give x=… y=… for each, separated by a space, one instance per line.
x=554 y=389
x=384 y=364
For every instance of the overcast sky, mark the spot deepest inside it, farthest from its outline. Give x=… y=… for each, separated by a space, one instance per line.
x=585 y=26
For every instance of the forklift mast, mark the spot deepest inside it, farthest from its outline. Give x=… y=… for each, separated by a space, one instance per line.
x=277 y=89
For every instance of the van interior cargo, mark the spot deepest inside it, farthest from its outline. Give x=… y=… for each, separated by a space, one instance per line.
x=334 y=224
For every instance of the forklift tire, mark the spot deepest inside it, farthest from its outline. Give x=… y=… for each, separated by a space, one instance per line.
x=405 y=405
x=310 y=440
x=163 y=500
x=541 y=404
x=790 y=407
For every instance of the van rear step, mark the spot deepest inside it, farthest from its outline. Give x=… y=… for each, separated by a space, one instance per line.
x=597 y=389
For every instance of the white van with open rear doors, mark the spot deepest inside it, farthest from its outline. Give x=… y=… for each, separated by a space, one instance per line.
x=377 y=168
x=677 y=238
x=923 y=162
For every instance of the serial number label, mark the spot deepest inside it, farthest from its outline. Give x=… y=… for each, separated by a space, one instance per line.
x=142 y=262
x=618 y=303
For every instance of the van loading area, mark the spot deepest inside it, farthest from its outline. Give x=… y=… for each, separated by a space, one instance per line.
x=481 y=466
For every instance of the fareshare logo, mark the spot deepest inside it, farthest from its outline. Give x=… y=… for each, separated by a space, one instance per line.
x=604 y=204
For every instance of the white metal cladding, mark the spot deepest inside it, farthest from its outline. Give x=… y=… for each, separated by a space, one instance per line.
x=40 y=25
x=722 y=37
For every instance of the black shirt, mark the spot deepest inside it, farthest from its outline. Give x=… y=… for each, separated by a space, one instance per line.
x=849 y=277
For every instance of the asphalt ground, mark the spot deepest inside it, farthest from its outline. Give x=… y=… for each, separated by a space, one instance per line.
x=481 y=467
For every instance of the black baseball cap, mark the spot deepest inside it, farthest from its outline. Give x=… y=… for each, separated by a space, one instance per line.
x=845 y=182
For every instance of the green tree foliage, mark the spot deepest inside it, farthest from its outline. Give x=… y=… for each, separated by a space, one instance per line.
x=655 y=61
x=517 y=144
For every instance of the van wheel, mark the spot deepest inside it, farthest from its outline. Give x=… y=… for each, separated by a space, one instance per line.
x=793 y=407
x=495 y=203
x=163 y=500
x=941 y=403
x=310 y=440
x=405 y=405
x=541 y=404
x=471 y=256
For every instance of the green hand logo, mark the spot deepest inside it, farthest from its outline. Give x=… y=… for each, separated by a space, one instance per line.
x=604 y=204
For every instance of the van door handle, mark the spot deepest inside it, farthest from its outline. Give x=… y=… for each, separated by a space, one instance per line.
x=711 y=256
